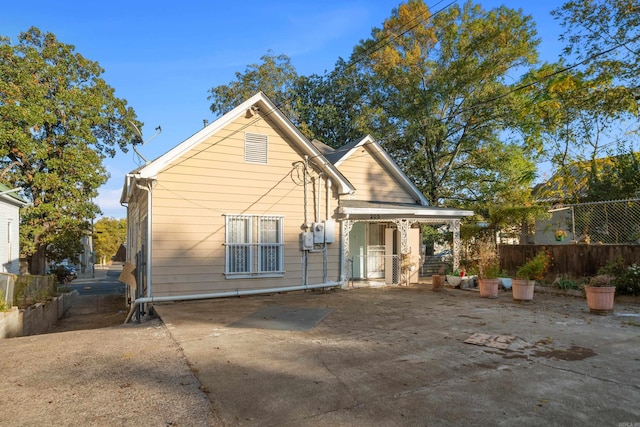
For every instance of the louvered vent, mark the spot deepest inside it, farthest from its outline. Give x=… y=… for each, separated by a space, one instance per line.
x=255 y=148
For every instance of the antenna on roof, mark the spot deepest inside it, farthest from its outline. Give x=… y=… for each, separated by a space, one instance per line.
x=141 y=141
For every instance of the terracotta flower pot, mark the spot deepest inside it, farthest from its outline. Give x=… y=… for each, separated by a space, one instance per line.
x=600 y=298
x=437 y=281
x=488 y=288
x=522 y=289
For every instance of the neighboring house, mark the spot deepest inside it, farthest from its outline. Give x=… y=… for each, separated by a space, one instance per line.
x=10 y=204
x=249 y=205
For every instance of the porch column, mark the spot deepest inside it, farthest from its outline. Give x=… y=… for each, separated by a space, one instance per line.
x=455 y=229
x=403 y=226
x=347 y=225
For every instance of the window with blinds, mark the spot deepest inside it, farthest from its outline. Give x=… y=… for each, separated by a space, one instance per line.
x=256 y=148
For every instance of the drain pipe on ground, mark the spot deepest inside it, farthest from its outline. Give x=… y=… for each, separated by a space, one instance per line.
x=225 y=294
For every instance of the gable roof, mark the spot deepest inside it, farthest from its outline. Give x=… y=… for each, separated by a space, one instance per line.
x=338 y=156
x=265 y=107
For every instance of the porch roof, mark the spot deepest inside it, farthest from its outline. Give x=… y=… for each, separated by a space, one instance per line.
x=352 y=209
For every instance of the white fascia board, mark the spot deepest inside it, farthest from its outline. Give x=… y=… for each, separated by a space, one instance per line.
x=13 y=201
x=267 y=107
x=151 y=170
x=436 y=213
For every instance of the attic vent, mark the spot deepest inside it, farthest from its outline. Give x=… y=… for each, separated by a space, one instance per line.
x=255 y=148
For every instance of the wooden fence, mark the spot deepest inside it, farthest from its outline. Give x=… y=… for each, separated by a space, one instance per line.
x=574 y=261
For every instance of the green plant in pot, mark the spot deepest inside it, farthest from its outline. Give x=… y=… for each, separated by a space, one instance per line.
x=454 y=277
x=600 y=293
x=527 y=274
x=488 y=268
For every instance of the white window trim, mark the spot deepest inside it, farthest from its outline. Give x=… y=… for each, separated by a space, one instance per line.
x=252 y=241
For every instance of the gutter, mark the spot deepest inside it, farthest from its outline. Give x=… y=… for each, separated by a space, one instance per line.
x=225 y=294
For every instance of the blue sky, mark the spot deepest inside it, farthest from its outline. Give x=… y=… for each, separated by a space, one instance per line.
x=163 y=57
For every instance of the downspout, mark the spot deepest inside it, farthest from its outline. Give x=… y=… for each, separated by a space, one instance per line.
x=225 y=294
x=149 y=235
x=306 y=221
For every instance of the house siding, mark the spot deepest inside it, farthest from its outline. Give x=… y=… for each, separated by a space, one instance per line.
x=371 y=180
x=9 y=237
x=193 y=194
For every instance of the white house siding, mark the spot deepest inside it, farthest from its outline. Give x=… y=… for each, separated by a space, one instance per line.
x=193 y=194
x=371 y=180
x=9 y=237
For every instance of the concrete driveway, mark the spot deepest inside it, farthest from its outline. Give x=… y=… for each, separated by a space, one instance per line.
x=397 y=357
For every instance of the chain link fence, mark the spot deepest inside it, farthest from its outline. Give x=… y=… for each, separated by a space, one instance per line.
x=605 y=222
x=612 y=222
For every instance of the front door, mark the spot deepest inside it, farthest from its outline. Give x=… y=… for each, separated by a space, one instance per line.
x=367 y=250
x=375 y=251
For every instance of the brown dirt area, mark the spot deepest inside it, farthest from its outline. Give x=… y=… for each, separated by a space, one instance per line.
x=93 y=312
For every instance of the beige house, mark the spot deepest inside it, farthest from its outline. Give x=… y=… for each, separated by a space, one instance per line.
x=249 y=205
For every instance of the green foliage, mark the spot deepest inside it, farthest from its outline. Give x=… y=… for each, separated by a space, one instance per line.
x=572 y=109
x=330 y=108
x=604 y=33
x=626 y=278
x=109 y=234
x=627 y=282
x=275 y=76
x=3 y=304
x=440 y=87
x=59 y=120
x=567 y=284
x=535 y=268
x=431 y=235
x=488 y=261
x=32 y=289
x=615 y=178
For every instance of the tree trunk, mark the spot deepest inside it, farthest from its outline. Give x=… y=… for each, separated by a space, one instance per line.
x=38 y=262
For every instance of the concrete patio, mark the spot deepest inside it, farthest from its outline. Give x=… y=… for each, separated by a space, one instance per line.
x=397 y=356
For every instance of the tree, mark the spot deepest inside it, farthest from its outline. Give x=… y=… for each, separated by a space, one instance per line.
x=109 y=234
x=616 y=177
x=275 y=76
x=570 y=121
x=58 y=121
x=333 y=108
x=604 y=35
x=440 y=81
x=577 y=112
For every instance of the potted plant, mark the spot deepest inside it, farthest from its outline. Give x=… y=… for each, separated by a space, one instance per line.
x=527 y=274
x=560 y=234
x=600 y=293
x=488 y=269
x=437 y=280
x=454 y=277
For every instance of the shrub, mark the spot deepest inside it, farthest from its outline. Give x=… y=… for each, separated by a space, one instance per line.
x=567 y=284
x=535 y=268
x=626 y=278
x=627 y=281
x=601 y=281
